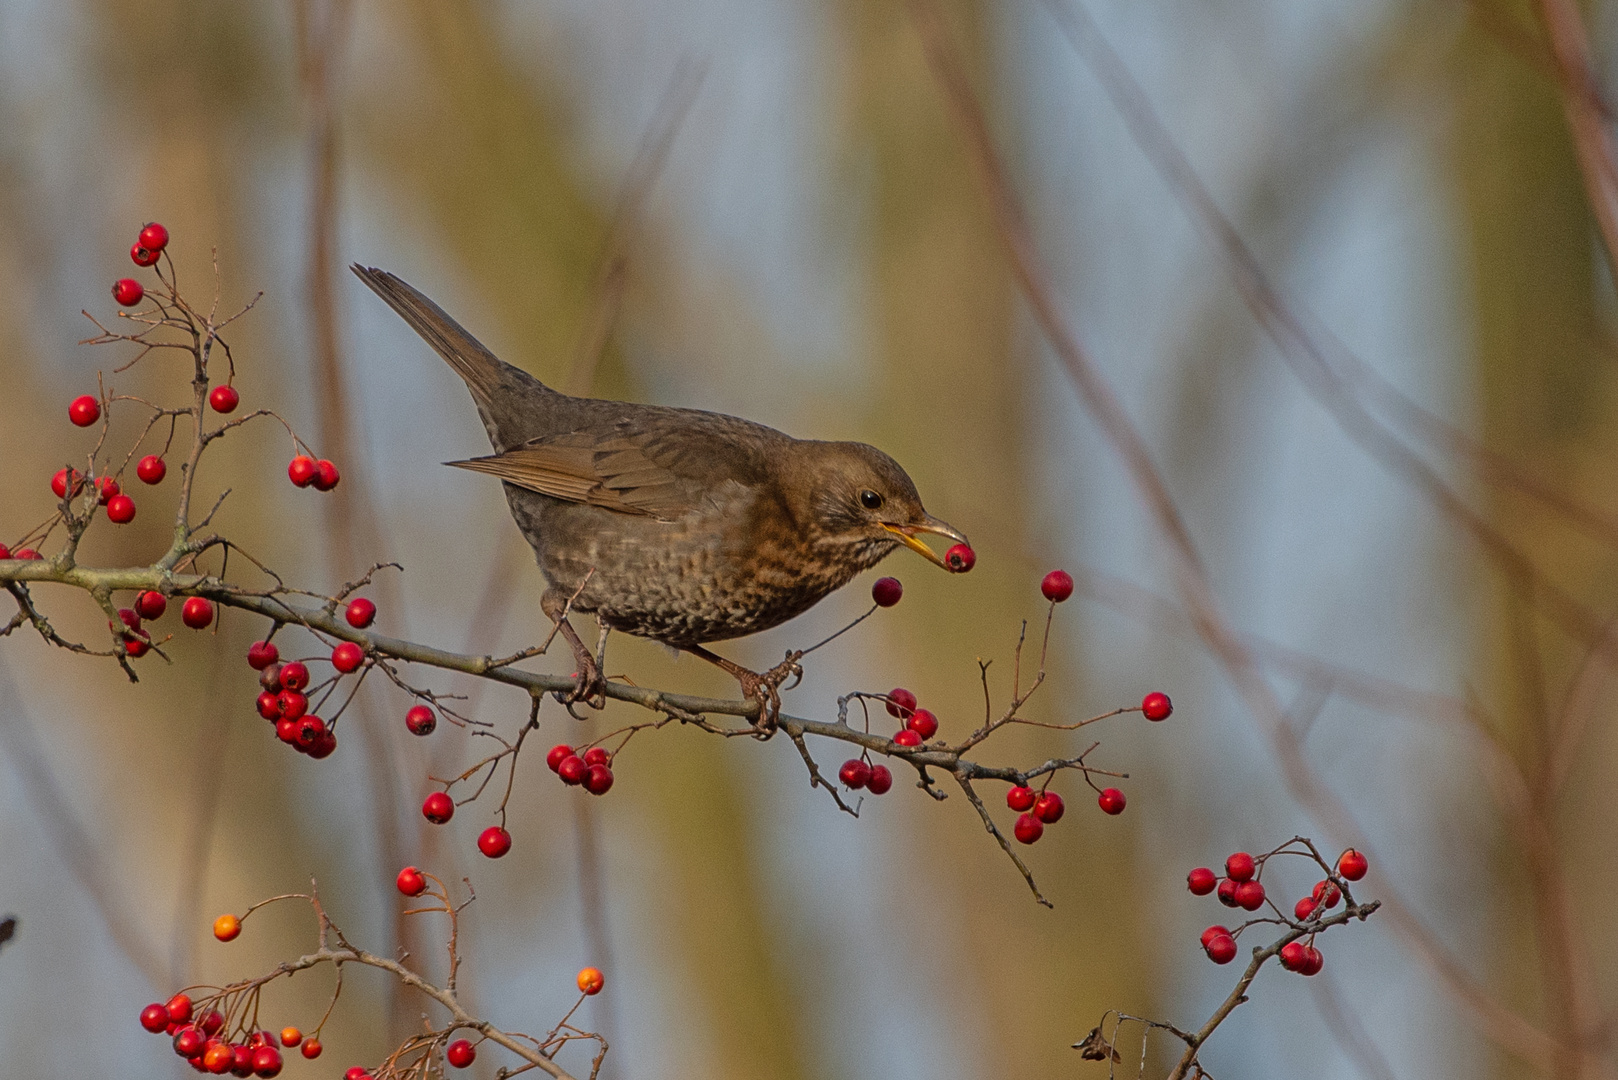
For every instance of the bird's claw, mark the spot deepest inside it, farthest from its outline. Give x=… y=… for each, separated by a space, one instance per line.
x=765 y=688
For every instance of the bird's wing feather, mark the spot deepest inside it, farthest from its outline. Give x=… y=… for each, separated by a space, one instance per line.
x=614 y=470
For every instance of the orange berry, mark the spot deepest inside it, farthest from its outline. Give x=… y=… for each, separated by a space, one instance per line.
x=291 y=1036
x=591 y=980
x=227 y=927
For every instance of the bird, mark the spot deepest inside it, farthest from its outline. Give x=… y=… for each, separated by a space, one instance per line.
x=679 y=525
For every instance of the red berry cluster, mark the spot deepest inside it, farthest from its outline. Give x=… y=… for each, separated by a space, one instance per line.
x=305 y=471
x=197 y=1038
x=1035 y=809
x=282 y=701
x=592 y=770
x=146 y=250
x=1241 y=888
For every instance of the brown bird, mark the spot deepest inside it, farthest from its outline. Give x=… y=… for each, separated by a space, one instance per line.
x=679 y=525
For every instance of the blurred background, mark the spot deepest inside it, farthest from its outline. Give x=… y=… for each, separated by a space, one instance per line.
x=811 y=248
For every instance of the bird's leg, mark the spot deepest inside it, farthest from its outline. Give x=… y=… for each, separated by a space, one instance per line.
x=591 y=687
x=763 y=688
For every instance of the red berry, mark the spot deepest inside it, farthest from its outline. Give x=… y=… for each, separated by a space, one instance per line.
x=154 y=1018
x=26 y=554
x=420 y=720
x=286 y=729
x=189 y=1041
x=1201 y=881
x=269 y=706
x=1294 y=956
x=302 y=471
x=460 y=1053
x=1313 y=962
x=326 y=475
x=1304 y=908
x=128 y=618
x=347 y=657
x=311 y=1048
x=135 y=647
x=141 y=255
x=1227 y=892
x=1352 y=865
x=323 y=746
x=1111 y=801
x=1049 y=808
x=294 y=676
x=360 y=612
x=179 y=1009
x=1250 y=895
x=151 y=469
x=121 y=511
x=1156 y=706
x=901 y=702
x=439 y=807
x=1021 y=798
x=154 y=237
x=241 y=1061
x=84 y=410
x=356 y=1072
x=907 y=738
x=293 y=704
x=960 y=558
x=881 y=780
x=128 y=292
x=196 y=612
x=886 y=591
x=855 y=773
x=558 y=752
x=106 y=488
x=224 y=399
x=212 y=1022
x=310 y=729
x=1240 y=866
x=1213 y=932
x=572 y=769
x=261 y=654
x=61 y=480
x=597 y=779
x=597 y=755
x=494 y=841
x=1326 y=894
x=1028 y=829
x=151 y=605
x=5 y=552
x=923 y=723
x=266 y=1062
x=411 y=881
x=1221 y=948
x=1057 y=586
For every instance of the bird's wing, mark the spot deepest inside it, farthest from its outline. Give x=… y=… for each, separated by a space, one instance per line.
x=613 y=469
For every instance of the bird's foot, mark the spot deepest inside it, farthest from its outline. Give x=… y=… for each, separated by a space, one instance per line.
x=589 y=683
x=589 y=687
x=765 y=688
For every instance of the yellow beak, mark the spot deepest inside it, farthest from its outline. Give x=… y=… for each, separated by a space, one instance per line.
x=907 y=536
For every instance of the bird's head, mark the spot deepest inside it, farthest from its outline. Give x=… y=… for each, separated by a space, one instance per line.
x=856 y=500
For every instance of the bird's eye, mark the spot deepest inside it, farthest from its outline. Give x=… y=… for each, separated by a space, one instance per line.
x=870 y=500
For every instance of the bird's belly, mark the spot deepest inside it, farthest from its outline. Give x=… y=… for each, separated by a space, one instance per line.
x=684 y=583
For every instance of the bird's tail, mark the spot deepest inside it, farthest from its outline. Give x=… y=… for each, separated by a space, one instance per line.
x=484 y=373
